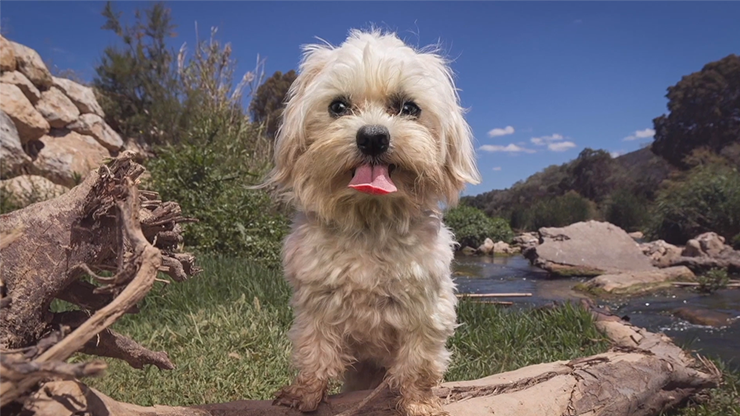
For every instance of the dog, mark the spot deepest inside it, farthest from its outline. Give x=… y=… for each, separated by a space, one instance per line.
x=373 y=143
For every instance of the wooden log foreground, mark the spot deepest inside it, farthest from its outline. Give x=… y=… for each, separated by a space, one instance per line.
x=106 y=223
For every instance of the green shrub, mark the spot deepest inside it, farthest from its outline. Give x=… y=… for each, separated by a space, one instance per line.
x=706 y=199
x=626 y=210
x=735 y=242
x=713 y=280
x=471 y=226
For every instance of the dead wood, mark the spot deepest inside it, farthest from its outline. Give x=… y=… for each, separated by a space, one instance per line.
x=94 y=228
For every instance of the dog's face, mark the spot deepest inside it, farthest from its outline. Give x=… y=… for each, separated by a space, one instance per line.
x=372 y=121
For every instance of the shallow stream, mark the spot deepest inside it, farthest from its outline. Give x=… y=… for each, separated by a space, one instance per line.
x=515 y=275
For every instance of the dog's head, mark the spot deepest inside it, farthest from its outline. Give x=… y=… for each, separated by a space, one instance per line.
x=372 y=121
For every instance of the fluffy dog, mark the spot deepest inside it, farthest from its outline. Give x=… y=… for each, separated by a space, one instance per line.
x=373 y=141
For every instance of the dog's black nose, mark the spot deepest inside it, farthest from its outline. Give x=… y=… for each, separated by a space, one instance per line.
x=372 y=140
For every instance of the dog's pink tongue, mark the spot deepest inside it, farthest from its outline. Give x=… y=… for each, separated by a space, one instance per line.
x=372 y=179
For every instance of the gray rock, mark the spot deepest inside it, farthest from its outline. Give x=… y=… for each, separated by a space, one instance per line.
x=587 y=249
x=67 y=157
x=27 y=189
x=701 y=316
x=26 y=86
x=29 y=122
x=637 y=282
x=7 y=56
x=660 y=253
x=83 y=97
x=12 y=157
x=93 y=125
x=56 y=108
x=30 y=64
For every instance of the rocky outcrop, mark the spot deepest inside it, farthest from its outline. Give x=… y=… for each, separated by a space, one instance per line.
x=30 y=64
x=83 y=97
x=67 y=157
x=526 y=240
x=52 y=131
x=26 y=86
x=93 y=125
x=708 y=251
x=489 y=247
x=27 y=189
x=7 y=56
x=29 y=122
x=660 y=253
x=12 y=157
x=636 y=282
x=587 y=249
x=56 y=108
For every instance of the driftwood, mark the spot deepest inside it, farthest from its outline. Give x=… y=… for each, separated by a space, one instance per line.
x=107 y=224
x=103 y=225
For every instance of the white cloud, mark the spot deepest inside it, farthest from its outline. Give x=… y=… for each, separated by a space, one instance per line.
x=510 y=148
x=640 y=134
x=545 y=140
x=497 y=168
x=561 y=146
x=501 y=132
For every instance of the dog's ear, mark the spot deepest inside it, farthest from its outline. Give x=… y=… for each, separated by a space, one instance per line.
x=290 y=141
x=460 y=165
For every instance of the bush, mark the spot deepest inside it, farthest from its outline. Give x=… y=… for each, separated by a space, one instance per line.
x=706 y=199
x=735 y=243
x=471 y=226
x=713 y=280
x=626 y=210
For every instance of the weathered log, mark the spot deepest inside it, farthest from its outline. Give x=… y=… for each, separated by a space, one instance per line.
x=96 y=227
x=643 y=374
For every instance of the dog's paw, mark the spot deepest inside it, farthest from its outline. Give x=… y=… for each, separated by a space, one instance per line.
x=422 y=408
x=304 y=397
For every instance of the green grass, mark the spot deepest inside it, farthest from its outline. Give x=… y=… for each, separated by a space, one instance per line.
x=225 y=330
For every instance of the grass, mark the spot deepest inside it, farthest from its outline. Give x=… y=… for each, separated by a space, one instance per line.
x=225 y=330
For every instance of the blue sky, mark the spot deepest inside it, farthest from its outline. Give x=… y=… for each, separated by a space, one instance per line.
x=542 y=80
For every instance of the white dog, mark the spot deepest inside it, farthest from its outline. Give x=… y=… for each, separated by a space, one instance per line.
x=373 y=141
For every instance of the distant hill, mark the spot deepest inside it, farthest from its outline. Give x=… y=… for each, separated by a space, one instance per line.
x=594 y=175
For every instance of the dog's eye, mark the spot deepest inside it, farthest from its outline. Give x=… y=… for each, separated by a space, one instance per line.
x=338 y=108
x=409 y=108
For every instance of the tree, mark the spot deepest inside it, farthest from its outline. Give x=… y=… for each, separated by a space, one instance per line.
x=704 y=110
x=592 y=174
x=137 y=83
x=268 y=102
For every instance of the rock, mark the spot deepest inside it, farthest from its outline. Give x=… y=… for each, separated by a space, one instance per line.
x=67 y=157
x=27 y=189
x=29 y=122
x=7 y=56
x=19 y=80
x=141 y=150
x=637 y=282
x=93 y=125
x=637 y=235
x=468 y=251
x=705 y=245
x=702 y=316
x=12 y=157
x=56 y=108
x=526 y=240
x=504 y=248
x=83 y=97
x=660 y=253
x=30 y=64
x=486 y=247
x=587 y=249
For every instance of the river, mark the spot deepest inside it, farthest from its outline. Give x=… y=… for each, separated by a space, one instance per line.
x=514 y=274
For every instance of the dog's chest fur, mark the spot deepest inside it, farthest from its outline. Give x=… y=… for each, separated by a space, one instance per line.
x=374 y=284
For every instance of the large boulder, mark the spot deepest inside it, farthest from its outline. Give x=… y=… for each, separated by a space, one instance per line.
x=703 y=316
x=660 y=253
x=29 y=122
x=705 y=245
x=32 y=66
x=56 y=108
x=93 y=125
x=7 y=56
x=83 y=97
x=19 y=80
x=504 y=248
x=637 y=282
x=27 y=189
x=587 y=249
x=486 y=247
x=526 y=240
x=67 y=157
x=12 y=157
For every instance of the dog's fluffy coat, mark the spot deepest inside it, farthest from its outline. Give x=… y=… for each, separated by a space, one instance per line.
x=372 y=292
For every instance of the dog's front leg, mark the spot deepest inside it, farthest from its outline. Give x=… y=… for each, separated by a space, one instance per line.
x=317 y=353
x=420 y=364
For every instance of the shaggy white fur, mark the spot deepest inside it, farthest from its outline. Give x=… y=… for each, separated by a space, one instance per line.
x=370 y=272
